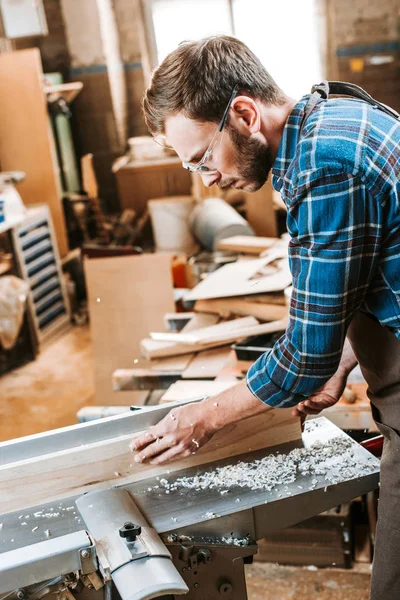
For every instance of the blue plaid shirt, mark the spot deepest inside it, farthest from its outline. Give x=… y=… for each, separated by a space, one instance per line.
x=340 y=181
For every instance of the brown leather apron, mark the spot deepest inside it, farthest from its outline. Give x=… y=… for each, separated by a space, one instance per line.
x=378 y=352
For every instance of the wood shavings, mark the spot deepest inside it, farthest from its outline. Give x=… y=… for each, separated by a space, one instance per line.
x=324 y=463
x=35 y=528
x=47 y=533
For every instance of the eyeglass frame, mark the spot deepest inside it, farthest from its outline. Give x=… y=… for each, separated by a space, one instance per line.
x=199 y=167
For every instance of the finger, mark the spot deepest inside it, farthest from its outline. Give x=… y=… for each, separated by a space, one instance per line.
x=158 y=446
x=171 y=454
x=320 y=402
x=302 y=410
x=145 y=438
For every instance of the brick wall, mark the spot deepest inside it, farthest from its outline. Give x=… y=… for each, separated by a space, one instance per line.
x=53 y=47
x=364 y=46
x=128 y=17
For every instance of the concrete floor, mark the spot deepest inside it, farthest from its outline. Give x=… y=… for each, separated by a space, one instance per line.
x=47 y=393
x=267 y=581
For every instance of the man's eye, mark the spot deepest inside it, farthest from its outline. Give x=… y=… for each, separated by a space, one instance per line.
x=203 y=169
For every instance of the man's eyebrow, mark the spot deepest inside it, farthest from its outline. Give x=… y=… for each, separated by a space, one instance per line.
x=195 y=157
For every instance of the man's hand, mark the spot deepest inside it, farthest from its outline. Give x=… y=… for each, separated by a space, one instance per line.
x=181 y=433
x=187 y=428
x=325 y=397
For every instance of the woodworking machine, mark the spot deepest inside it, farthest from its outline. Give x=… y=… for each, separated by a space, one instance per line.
x=141 y=541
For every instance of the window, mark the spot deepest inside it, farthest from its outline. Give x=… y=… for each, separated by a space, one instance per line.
x=177 y=20
x=284 y=35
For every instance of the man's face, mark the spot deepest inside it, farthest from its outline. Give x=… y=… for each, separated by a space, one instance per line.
x=237 y=161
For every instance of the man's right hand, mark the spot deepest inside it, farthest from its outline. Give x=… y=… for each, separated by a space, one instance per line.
x=325 y=397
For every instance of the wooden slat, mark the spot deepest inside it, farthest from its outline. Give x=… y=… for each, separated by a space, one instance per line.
x=180 y=363
x=226 y=307
x=206 y=334
x=247 y=244
x=108 y=463
x=156 y=349
x=242 y=278
x=207 y=364
x=226 y=332
x=184 y=389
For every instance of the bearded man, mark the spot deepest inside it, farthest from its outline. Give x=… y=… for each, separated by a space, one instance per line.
x=336 y=163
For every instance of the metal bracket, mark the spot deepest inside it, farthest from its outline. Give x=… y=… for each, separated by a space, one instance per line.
x=88 y=560
x=92 y=581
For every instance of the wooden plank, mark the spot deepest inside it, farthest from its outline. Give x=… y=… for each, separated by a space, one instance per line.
x=207 y=364
x=155 y=349
x=152 y=349
x=226 y=307
x=247 y=244
x=104 y=464
x=200 y=322
x=128 y=296
x=180 y=363
x=242 y=278
x=206 y=334
x=190 y=390
x=26 y=141
x=227 y=332
x=272 y=298
x=174 y=363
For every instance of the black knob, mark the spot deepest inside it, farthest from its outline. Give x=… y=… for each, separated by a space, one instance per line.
x=130 y=531
x=225 y=587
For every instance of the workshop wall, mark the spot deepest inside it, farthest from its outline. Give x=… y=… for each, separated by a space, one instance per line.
x=364 y=46
x=99 y=42
x=53 y=47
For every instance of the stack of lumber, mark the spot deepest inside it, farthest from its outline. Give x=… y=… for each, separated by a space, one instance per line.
x=174 y=344
x=237 y=301
x=250 y=287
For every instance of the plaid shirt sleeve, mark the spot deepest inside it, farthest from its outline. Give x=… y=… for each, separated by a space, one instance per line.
x=335 y=228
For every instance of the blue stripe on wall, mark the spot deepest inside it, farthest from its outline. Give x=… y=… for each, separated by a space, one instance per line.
x=392 y=46
x=100 y=69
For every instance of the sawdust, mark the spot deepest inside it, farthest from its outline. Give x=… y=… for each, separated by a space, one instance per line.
x=326 y=463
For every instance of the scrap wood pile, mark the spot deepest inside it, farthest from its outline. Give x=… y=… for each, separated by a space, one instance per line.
x=239 y=300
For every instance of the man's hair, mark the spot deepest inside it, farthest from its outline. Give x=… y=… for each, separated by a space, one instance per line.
x=198 y=77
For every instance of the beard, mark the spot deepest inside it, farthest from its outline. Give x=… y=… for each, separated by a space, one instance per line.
x=254 y=160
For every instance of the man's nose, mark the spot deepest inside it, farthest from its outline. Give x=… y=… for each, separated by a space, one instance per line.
x=209 y=180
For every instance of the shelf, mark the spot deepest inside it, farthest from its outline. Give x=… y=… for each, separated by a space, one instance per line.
x=68 y=91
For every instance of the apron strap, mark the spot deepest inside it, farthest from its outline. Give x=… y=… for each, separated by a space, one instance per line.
x=323 y=90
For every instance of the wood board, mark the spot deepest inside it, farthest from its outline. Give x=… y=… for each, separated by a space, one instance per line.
x=247 y=244
x=240 y=279
x=108 y=463
x=156 y=349
x=134 y=293
x=226 y=307
x=180 y=363
x=191 y=390
x=206 y=334
x=227 y=332
x=26 y=140
x=207 y=364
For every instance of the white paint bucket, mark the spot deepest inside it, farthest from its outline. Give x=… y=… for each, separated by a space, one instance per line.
x=170 y=222
x=214 y=219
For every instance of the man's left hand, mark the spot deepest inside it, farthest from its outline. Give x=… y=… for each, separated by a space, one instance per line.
x=181 y=433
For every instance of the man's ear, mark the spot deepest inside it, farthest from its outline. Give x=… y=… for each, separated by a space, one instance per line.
x=245 y=115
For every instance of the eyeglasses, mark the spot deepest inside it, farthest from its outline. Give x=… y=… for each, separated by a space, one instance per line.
x=201 y=167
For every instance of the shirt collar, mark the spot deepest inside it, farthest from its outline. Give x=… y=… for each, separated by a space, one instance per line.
x=290 y=137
